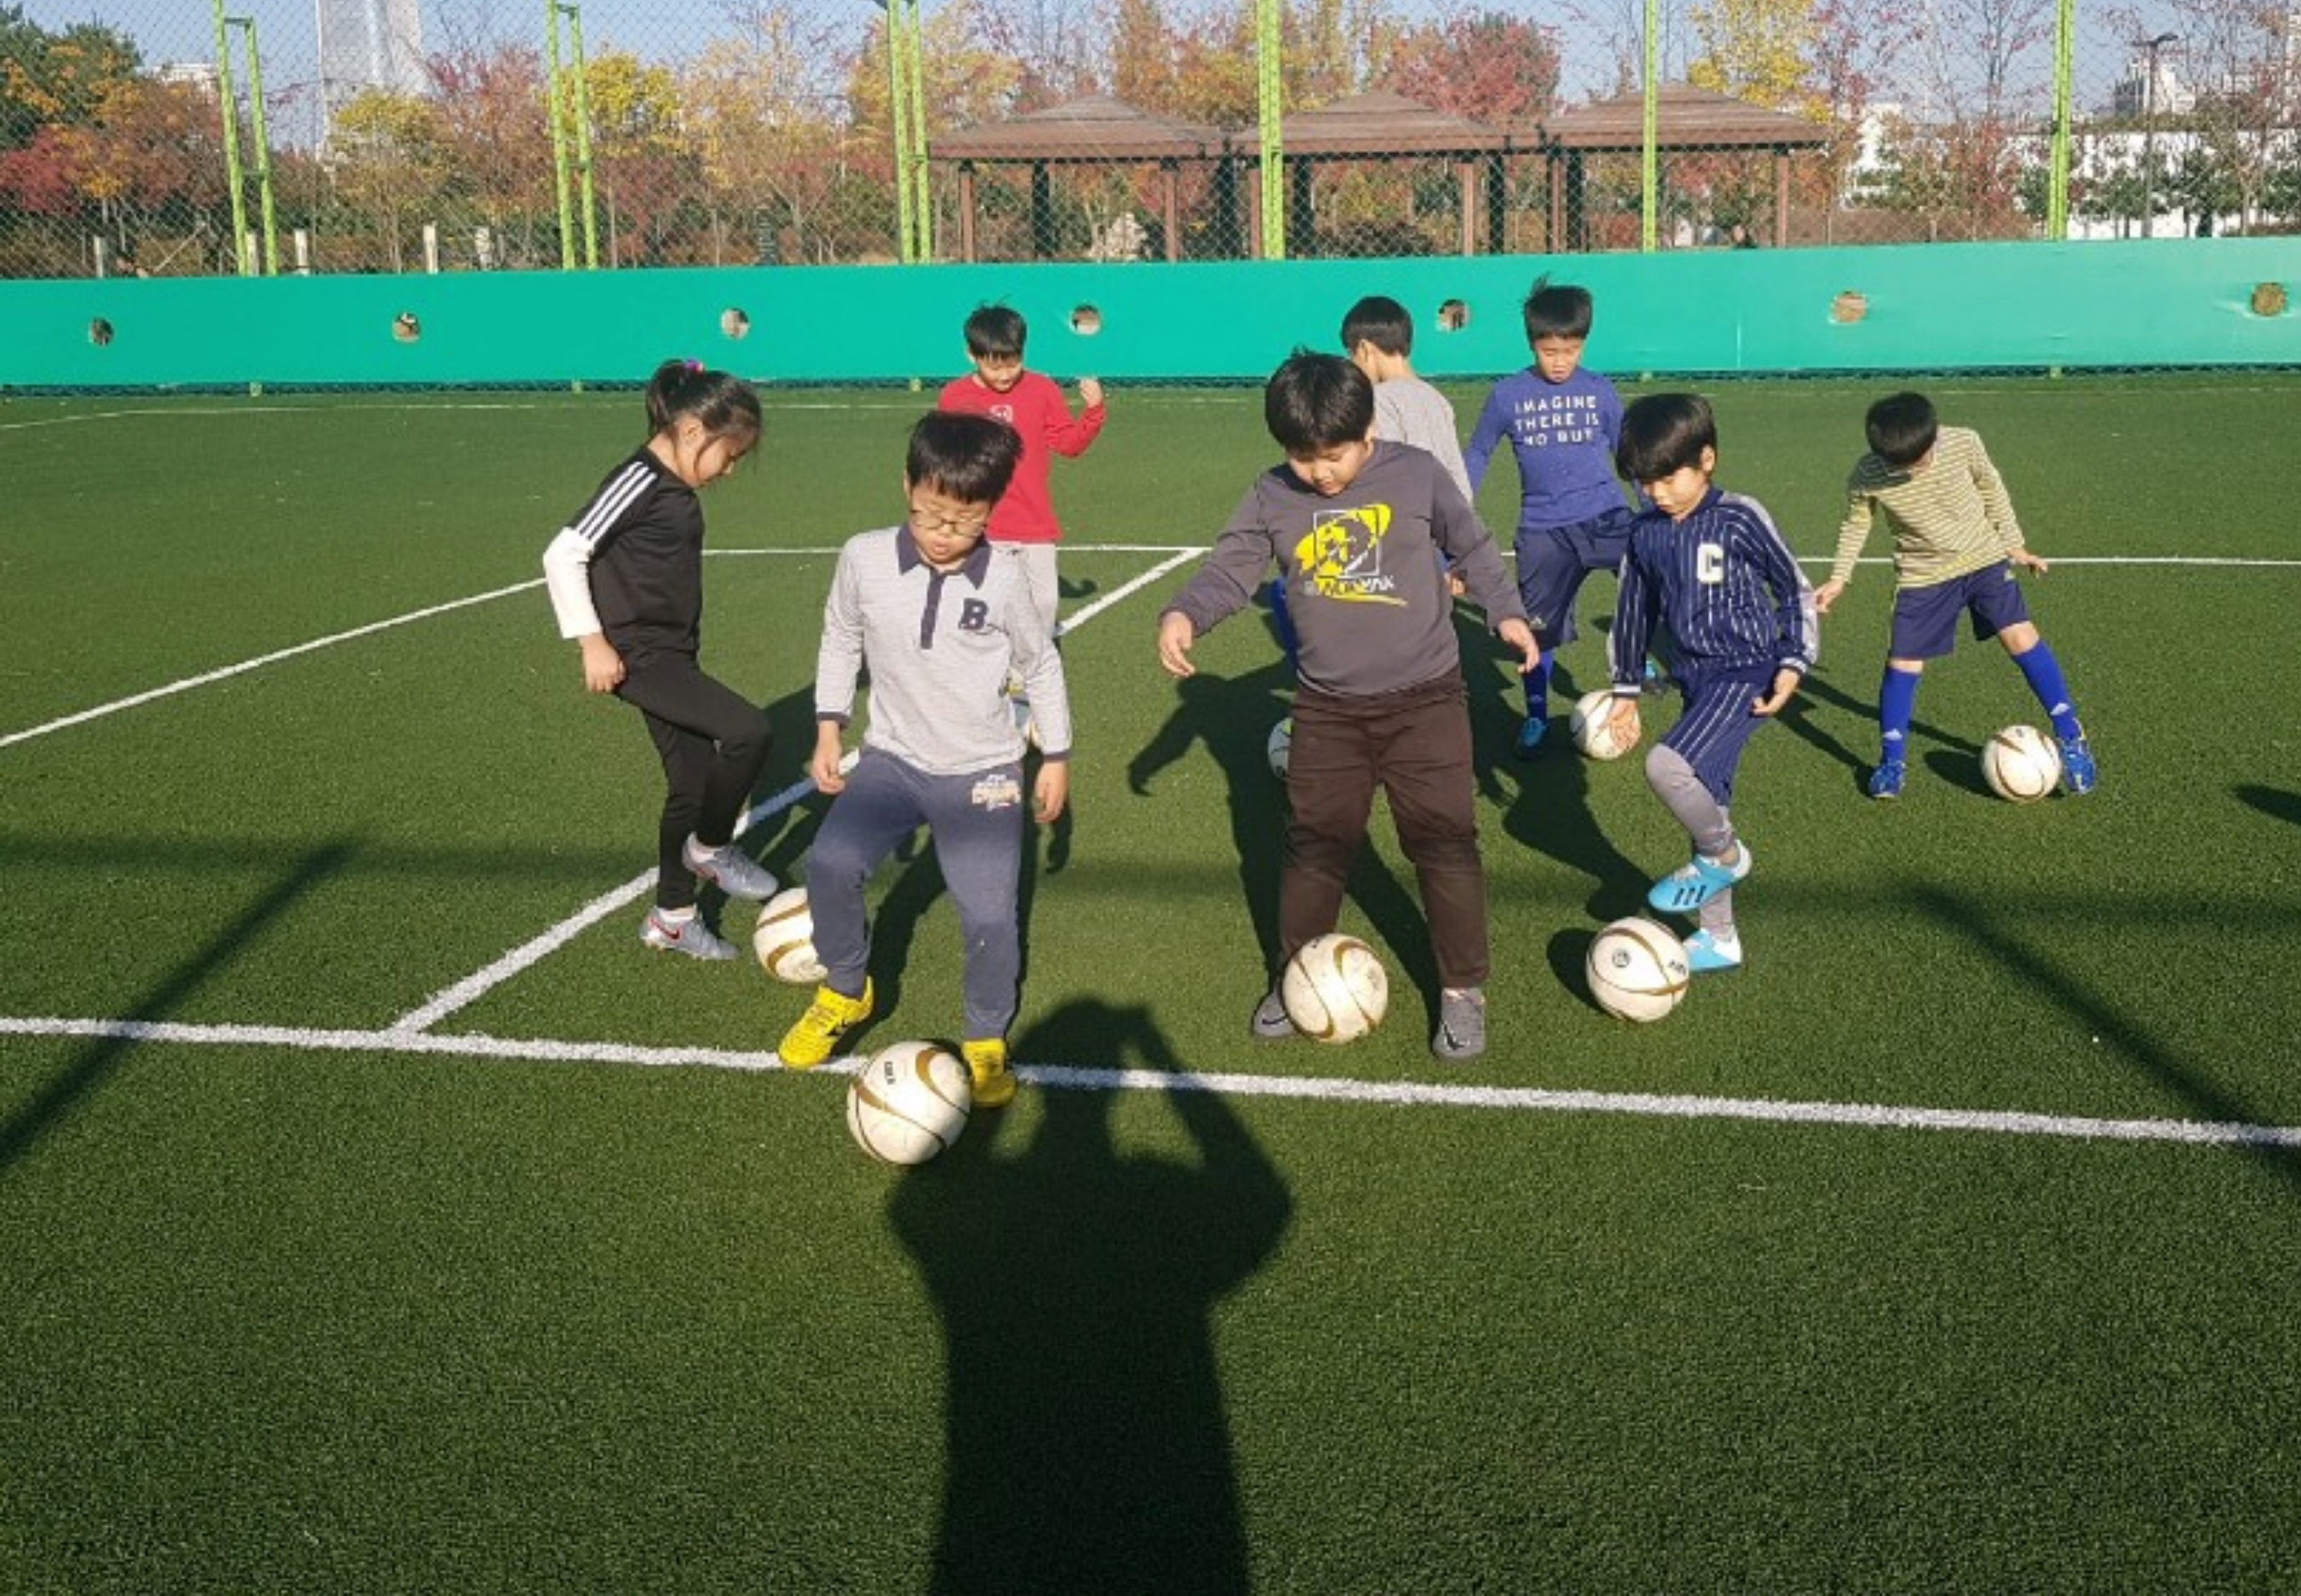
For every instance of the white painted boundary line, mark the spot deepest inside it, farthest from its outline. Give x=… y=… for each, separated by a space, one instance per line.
x=472 y=987
x=260 y=409
x=476 y=986
x=1315 y=1089
x=245 y=665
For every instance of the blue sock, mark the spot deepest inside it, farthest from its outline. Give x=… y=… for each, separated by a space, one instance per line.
x=1537 y=687
x=1284 y=624
x=1898 y=701
x=2044 y=674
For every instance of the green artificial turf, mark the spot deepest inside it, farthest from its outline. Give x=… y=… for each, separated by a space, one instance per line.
x=319 y=1312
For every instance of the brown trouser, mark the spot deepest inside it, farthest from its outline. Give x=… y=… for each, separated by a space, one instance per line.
x=1415 y=744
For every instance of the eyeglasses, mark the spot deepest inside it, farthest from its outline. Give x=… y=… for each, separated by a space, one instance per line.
x=935 y=521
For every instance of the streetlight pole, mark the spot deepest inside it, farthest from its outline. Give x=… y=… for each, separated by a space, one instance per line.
x=2149 y=48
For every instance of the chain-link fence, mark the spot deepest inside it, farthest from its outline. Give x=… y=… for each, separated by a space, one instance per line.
x=410 y=135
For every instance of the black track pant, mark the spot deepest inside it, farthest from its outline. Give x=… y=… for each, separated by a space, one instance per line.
x=713 y=742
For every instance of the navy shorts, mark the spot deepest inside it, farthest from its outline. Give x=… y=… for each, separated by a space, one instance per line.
x=1717 y=724
x=1925 y=619
x=1552 y=561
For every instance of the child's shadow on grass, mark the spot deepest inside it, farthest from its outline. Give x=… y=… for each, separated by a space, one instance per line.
x=2272 y=801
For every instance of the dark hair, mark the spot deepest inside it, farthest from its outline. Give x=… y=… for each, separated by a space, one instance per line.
x=1902 y=427
x=1314 y=402
x=970 y=457
x=1380 y=320
x=996 y=330
x=727 y=406
x=1663 y=434
x=1563 y=311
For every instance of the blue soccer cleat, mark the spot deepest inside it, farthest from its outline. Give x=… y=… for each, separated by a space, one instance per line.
x=1886 y=780
x=1707 y=952
x=1696 y=881
x=1530 y=735
x=2077 y=772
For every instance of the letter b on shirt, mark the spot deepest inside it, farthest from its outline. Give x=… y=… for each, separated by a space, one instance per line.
x=973 y=614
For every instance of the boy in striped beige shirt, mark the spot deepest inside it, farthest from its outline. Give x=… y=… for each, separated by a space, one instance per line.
x=1955 y=547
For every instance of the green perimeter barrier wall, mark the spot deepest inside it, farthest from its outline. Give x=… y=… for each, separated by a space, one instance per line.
x=1931 y=307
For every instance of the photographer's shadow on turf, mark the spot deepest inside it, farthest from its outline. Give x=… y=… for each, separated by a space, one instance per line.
x=2272 y=801
x=1089 y=1446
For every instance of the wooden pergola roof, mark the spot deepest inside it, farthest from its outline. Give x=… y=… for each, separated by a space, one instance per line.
x=1098 y=127
x=1379 y=124
x=1685 y=118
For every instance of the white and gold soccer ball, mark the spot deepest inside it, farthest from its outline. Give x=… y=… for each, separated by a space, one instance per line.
x=785 y=939
x=2021 y=764
x=1334 y=988
x=909 y=1102
x=1637 y=969
x=1281 y=747
x=1592 y=726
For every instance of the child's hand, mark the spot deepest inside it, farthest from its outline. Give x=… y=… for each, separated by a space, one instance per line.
x=1175 y=636
x=1455 y=586
x=1785 y=686
x=1519 y=636
x=1090 y=392
x=830 y=753
x=2028 y=561
x=1827 y=595
x=1624 y=724
x=603 y=667
x=1051 y=792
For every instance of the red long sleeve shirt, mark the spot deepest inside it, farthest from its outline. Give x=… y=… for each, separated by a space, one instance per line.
x=1035 y=408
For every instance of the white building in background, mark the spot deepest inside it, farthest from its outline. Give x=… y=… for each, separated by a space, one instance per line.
x=199 y=76
x=2135 y=96
x=367 y=44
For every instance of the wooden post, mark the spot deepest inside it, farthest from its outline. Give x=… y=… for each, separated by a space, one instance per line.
x=1781 y=195
x=1466 y=181
x=1170 y=210
x=966 y=212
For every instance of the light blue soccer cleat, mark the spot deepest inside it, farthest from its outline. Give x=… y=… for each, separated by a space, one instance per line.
x=1707 y=952
x=1530 y=735
x=1696 y=881
x=2077 y=772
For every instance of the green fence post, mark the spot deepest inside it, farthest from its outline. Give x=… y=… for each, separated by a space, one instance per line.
x=228 y=101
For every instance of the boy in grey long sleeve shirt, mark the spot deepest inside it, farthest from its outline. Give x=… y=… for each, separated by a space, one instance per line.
x=1355 y=527
x=939 y=624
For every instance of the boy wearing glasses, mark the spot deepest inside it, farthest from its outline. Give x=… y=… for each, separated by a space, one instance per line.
x=939 y=624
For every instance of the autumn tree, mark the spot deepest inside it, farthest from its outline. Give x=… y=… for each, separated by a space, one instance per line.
x=492 y=121
x=763 y=113
x=391 y=161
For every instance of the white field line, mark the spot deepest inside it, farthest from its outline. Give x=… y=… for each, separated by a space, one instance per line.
x=262 y=409
x=536 y=948
x=245 y=665
x=477 y=985
x=1315 y=1089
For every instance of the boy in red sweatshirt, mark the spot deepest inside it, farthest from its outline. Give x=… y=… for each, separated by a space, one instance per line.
x=1022 y=526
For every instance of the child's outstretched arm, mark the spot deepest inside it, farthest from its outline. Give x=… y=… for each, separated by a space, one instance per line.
x=1796 y=609
x=1476 y=565
x=838 y=668
x=1996 y=504
x=567 y=578
x=1068 y=435
x=1494 y=423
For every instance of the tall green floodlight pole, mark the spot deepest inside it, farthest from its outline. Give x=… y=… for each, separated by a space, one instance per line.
x=246 y=25
x=1271 y=110
x=229 y=103
x=1649 y=162
x=922 y=205
x=555 y=100
x=2057 y=169
x=574 y=13
x=899 y=133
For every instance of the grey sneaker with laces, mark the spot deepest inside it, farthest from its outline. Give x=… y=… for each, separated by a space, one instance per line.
x=690 y=937
x=731 y=870
x=1461 y=1033
x=1270 y=1023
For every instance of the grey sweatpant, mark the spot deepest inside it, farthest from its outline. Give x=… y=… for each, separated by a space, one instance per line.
x=976 y=823
x=1704 y=818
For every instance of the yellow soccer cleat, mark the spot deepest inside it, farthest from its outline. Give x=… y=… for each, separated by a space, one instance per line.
x=828 y=1018
x=994 y=1083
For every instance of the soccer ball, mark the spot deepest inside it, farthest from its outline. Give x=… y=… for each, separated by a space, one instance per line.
x=1334 y=989
x=1281 y=747
x=785 y=939
x=1637 y=969
x=2021 y=764
x=1592 y=725
x=909 y=1102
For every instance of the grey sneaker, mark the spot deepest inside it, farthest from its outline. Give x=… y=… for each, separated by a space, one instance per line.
x=690 y=937
x=1461 y=1033
x=1270 y=1023
x=731 y=870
